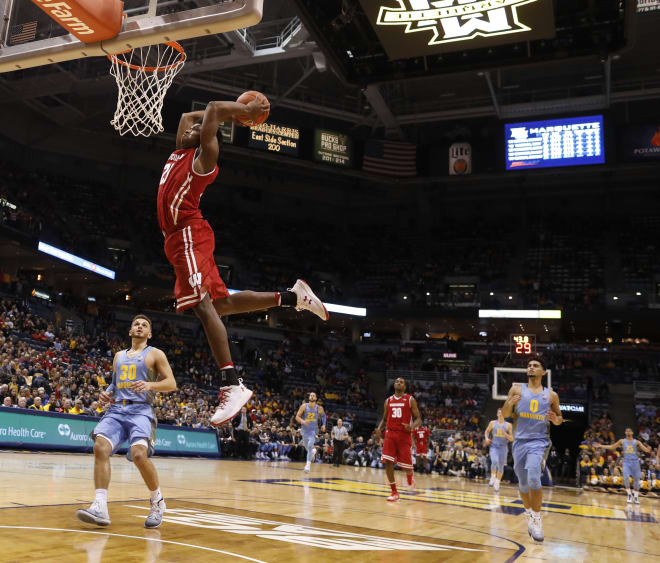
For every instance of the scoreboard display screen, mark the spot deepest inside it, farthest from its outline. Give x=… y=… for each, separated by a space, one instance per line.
x=523 y=344
x=333 y=148
x=573 y=141
x=273 y=137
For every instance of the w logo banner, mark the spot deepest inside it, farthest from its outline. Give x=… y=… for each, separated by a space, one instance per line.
x=443 y=23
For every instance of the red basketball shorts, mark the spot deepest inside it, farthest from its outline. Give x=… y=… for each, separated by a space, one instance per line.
x=397 y=449
x=190 y=251
x=421 y=448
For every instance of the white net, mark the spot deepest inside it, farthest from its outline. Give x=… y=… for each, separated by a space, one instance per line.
x=143 y=76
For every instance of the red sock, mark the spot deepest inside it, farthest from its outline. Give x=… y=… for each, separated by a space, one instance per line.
x=278 y=297
x=393 y=485
x=410 y=477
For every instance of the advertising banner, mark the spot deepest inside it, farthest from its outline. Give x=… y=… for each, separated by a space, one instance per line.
x=460 y=159
x=640 y=142
x=49 y=431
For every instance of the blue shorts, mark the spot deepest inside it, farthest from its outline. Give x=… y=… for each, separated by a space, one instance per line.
x=308 y=440
x=127 y=422
x=631 y=469
x=528 y=459
x=498 y=458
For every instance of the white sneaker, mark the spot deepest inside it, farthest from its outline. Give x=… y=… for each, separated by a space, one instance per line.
x=537 y=528
x=97 y=514
x=629 y=501
x=155 y=518
x=307 y=301
x=492 y=480
x=528 y=515
x=636 y=499
x=232 y=398
x=496 y=486
x=308 y=466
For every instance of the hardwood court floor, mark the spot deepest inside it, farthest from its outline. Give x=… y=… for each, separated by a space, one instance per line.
x=273 y=512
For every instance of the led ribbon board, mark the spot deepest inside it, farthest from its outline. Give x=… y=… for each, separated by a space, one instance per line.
x=76 y=260
x=273 y=137
x=572 y=141
x=413 y=28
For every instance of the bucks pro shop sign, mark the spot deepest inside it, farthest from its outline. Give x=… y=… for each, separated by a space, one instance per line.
x=413 y=28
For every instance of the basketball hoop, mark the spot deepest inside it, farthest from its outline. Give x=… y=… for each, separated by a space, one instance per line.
x=143 y=76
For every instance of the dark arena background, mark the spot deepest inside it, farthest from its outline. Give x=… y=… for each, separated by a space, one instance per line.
x=467 y=186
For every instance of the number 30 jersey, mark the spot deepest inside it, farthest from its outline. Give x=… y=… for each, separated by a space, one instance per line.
x=398 y=413
x=128 y=370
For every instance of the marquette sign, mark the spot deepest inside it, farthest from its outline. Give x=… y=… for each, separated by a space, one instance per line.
x=412 y=28
x=333 y=148
x=275 y=138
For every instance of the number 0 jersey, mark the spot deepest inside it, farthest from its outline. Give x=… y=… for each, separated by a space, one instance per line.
x=180 y=190
x=398 y=413
x=532 y=410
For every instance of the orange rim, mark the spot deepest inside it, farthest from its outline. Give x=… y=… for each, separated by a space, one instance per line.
x=181 y=57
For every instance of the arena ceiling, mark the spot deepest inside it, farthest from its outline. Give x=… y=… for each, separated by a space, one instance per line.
x=603 y=54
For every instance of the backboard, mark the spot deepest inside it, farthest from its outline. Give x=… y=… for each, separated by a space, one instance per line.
x=28 y=37
x=505 y=377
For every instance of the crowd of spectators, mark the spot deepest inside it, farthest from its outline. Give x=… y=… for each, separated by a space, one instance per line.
x=563 y=265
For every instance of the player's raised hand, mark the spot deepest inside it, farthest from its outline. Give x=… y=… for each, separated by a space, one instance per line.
x=257 y=107
x=140 y=386
x=105 y=398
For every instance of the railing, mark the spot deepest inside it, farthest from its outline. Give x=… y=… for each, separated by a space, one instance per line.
x=415 y=376
x=646 y=390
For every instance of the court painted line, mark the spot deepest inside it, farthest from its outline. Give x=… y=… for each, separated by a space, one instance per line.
x=135 y=538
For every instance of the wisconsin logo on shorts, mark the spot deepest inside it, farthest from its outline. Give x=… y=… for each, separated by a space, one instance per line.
x=195 y=280
x=455 y=20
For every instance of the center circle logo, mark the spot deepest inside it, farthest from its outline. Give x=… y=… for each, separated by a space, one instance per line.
x=181 y=439
x=64 y=429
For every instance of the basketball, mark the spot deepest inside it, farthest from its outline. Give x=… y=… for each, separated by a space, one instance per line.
x=246 y=98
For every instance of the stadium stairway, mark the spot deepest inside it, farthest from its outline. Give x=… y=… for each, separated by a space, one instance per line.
x=622 y=408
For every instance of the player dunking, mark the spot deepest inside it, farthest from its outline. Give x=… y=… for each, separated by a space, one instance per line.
x=400 y=409
x=308 y=416
x=137 y=373
x=501 y=433
x=189 y=244
x=422 y=435
x=533 y=406
x=631 y=466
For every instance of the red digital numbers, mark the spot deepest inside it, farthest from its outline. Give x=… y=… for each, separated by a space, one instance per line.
x=523 y=344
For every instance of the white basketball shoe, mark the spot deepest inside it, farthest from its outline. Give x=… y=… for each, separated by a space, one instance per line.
x=307 y=301
x=97 y=514
x=536 y=528
x=232 y=398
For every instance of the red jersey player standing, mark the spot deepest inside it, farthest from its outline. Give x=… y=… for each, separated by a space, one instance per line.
x=400 y=409
x=190 y=242
x=422 y=435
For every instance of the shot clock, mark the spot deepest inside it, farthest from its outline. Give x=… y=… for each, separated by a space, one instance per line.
x=523 y=344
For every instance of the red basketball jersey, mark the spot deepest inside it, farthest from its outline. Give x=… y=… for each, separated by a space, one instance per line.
x=399 y=412
x=180 y=190
x=422 y=435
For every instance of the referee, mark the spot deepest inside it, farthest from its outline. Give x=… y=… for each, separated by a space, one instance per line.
x=339 y=436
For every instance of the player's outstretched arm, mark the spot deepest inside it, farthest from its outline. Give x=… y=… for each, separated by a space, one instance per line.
x=215 y=114
x=515 y=394
x=611 y=447
x=646 y=449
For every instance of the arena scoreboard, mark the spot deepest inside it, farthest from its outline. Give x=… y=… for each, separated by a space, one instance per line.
x=274 y=137
x=572 y=141
x=333 y=148
x=523 y=344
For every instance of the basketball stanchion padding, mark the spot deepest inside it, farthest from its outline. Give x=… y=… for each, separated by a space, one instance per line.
x=143 y=76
